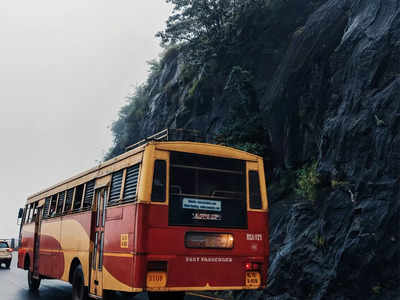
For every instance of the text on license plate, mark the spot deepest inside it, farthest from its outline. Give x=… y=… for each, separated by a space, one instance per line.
x=253 y=279
x=156 y=279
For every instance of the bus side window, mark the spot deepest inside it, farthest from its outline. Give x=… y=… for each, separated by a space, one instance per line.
x=116 y=184
x=131 y=181
x=53 y=204
x=27 y=211
x=30 y=213
x=78 y=197
x=89 y=192
x=24 y=216
x=159 y=181
x=35 y=210
x=254 y=190
x=68 y=200
x=46 y=207
x=60 y=203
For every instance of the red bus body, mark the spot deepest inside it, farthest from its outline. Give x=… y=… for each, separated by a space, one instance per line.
x=138 y=240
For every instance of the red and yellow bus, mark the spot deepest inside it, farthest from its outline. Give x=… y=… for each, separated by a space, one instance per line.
x=165 y=217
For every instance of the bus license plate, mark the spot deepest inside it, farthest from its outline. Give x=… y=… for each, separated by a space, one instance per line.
x=156 y=279
x=253 y=279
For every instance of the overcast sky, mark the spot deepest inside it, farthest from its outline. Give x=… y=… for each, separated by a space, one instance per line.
x=66 y=68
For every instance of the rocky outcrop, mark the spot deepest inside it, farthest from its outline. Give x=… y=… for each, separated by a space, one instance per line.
x=326 y=85
x=339 y=89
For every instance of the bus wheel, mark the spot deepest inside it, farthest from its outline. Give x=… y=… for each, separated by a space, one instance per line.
x=166 y=295
x=33 y=283
x=79 y=291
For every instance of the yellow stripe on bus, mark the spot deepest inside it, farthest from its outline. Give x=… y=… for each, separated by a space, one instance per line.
x=112 y=254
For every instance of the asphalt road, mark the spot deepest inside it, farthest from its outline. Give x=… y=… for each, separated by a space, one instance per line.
x=14 y=286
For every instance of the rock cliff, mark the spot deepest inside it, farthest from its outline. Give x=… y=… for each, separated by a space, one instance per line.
x=310 y=82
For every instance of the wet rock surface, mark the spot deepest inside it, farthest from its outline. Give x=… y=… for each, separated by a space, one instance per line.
x=345 y=68
x=326 y=83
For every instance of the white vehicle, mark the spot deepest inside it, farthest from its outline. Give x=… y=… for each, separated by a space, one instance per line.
x=5 y=254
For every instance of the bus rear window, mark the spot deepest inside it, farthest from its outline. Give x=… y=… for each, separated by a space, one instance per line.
x=207 y=191
x=159 y=179
x=254 y=190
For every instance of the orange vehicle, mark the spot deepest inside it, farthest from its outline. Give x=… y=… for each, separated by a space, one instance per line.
x=165 y=217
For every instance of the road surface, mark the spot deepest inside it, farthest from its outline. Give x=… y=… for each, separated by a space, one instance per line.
x=14 y=286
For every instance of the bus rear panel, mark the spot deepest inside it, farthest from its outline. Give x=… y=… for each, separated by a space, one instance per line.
x=206 y=235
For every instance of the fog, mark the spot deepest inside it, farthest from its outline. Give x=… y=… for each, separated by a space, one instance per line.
x=66 y=68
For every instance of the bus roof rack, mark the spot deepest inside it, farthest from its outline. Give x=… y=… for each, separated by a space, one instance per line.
x=168 y=134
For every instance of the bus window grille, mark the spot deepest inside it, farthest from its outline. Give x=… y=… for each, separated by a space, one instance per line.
x=61 y=197
x=46 y=207
x=87 y=202
x=132 y=175
x=53 y=203
x=68 y=200
x=116 y=184
x=78 y=197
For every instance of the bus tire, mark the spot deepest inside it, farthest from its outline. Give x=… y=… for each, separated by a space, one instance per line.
x=79 y=291
x=33 y=283
x=166 y=295
x=8 y=264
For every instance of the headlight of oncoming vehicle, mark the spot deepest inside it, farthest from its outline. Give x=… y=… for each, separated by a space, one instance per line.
x=209 y=240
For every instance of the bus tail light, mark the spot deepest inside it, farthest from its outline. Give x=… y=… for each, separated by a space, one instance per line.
x=252 y=266
x=209 y=240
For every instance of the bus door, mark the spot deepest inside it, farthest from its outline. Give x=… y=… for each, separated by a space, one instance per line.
x=36 y=244
x=99 y=213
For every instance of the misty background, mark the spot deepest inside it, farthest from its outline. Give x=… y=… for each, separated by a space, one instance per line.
x=66 y=68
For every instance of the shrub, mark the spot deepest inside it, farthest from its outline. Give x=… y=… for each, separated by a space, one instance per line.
x=307 y=181
x=377 y=289
x=319 y=241
x=338 y=183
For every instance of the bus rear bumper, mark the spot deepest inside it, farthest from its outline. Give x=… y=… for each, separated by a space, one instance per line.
x=201 y=289
x=208 y=273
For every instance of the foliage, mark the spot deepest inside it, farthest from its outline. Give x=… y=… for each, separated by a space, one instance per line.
x=338 y=183
x=319 y=241
x=169 y=53
x=205 y=28
x=379 y=122
x=299 y=31
x=154 y=65
x=239 y=82
x=243 y=128
x=377 y=289
x=194 y=87
x=307 y=181
x=130 y=117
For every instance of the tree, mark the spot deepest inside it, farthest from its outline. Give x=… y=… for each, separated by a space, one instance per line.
x=204 y=28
